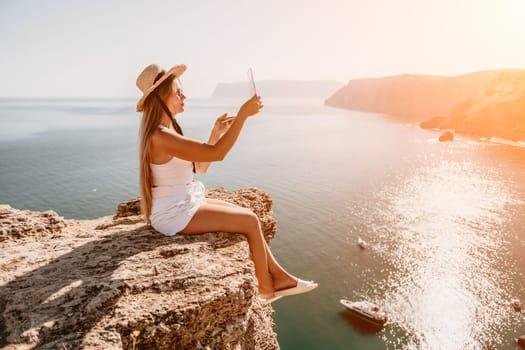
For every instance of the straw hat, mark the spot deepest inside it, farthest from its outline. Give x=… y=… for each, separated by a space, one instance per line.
x=146 y=80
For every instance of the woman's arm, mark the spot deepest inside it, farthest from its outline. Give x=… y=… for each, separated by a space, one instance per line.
x=222 y=124
x=202 y=167
x=192 y=150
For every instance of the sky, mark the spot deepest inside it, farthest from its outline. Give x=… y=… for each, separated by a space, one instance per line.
x=97 y=48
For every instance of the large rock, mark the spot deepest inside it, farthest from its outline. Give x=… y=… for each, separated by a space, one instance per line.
x=447 y=135
x=115 y=283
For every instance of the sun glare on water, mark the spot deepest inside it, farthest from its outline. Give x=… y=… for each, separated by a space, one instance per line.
x=443 y=229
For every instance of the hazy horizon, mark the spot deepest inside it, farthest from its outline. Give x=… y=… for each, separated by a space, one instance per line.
x=259 y=82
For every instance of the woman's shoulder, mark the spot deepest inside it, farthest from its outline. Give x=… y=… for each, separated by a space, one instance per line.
x=158 y=139
x=161 y=132
x=157 y=148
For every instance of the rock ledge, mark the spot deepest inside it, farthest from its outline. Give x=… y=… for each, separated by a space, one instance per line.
x=115 y=283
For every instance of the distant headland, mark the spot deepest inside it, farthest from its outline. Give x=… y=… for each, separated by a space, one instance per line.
x=294 y=89
x=485 y=104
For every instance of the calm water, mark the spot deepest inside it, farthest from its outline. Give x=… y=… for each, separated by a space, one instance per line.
x=444 y=222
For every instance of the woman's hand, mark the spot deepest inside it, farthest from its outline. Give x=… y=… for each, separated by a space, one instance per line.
x=222 y=124
x=250 y=107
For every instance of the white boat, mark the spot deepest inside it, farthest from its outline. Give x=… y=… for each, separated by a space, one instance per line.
x=366 y=311
x=516 y=304
x=361 y=243
x=521 y=341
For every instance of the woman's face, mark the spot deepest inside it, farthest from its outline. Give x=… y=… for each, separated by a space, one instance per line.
x=175 y=100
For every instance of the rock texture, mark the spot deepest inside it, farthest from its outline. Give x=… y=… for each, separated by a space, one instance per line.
x=19 y=224
x=115 y=283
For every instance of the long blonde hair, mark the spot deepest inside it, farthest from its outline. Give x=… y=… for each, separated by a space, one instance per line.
x=151 y=117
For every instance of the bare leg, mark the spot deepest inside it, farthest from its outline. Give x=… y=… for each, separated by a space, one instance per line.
x=220 y=218
x=281 y=278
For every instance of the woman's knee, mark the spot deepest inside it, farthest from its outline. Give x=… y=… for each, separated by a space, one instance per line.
x=251 y=221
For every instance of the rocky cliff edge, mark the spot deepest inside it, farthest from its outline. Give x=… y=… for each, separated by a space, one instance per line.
x=115 y=283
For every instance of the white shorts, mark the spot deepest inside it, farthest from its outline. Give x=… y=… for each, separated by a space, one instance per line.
x=170 y=214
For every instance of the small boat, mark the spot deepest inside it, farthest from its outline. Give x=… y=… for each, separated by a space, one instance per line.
x=361 y=243
x=520 y=341
x=516 y=304
x=366 y=311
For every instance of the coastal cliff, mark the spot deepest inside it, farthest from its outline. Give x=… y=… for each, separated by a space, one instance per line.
x=115 y=283
x=408 y=96
x=496 y=111
x=488 y=103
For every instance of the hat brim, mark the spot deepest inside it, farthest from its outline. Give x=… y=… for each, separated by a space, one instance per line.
x=177 y=71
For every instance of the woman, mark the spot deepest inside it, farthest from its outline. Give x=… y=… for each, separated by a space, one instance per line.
x=172 y=202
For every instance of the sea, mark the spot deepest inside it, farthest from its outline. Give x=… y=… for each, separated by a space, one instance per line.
x=444 y=223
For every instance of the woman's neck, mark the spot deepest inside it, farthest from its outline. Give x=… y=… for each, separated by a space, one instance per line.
x=166 y=120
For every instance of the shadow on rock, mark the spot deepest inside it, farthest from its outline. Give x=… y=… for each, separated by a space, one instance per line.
x=58 y=303
x=74 y=286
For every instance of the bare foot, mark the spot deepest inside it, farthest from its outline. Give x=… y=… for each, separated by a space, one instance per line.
x=266 y=294
x=284 y=282
x=266 y=289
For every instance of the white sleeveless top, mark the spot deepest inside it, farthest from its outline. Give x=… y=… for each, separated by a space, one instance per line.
x=170 y=176
x=176 y=197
